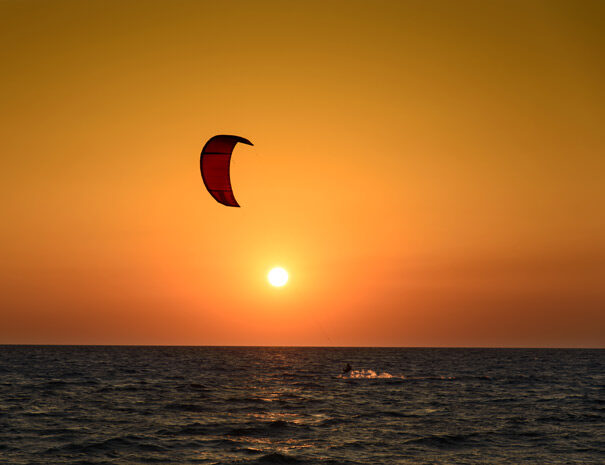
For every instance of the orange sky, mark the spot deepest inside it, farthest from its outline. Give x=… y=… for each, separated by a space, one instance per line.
x=430 y=173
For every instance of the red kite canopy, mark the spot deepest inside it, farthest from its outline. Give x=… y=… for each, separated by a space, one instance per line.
x=214 y=165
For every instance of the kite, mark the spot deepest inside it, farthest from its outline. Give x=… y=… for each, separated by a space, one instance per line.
x=214 y=165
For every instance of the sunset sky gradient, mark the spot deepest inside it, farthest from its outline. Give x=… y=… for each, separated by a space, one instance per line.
x=429 y=173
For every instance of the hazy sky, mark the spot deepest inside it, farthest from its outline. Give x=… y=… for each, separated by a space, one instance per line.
x=430 y=173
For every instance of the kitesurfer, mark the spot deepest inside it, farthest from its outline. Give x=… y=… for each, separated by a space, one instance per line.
x=346 y=369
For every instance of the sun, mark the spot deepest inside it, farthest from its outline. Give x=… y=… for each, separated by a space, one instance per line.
x=278 y=277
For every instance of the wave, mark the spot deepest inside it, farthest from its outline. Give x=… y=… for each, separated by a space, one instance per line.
x=368 y=374
x=371 y=374
x=106 y=445
x=266 y=429
x=277 y=458
x=186 y=407
x=447 y=441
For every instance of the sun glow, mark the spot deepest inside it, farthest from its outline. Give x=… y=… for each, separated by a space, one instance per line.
x=278 y=277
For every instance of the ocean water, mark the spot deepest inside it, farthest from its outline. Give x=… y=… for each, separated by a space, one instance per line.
x=207 y=405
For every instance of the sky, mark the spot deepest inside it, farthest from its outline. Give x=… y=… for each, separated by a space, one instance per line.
x=429 y=173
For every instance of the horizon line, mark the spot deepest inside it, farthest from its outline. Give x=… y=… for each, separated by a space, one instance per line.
x=303 y=346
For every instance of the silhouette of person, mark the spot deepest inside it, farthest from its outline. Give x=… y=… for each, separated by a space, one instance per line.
x=346 y=369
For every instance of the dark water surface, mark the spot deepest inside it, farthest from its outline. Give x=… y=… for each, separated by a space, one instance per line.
x=196 y=405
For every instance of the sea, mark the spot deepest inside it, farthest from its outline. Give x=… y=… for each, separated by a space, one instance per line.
x=293 y=405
